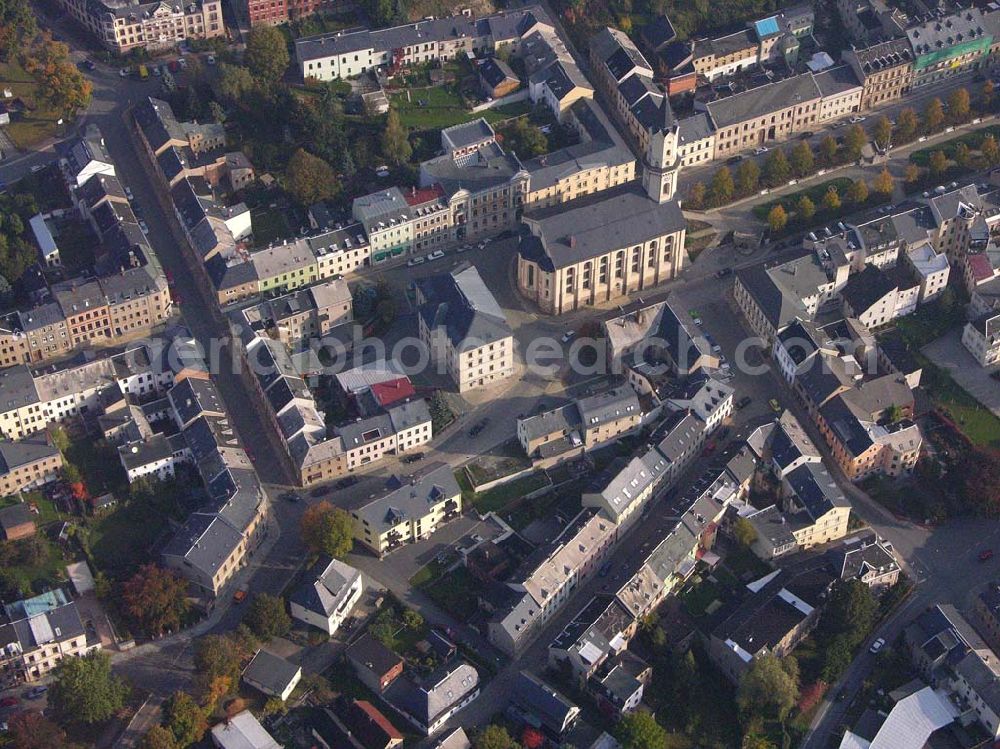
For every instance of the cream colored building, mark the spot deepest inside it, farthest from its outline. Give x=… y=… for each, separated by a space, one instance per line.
x=885 y=70
x=410 y=511
x=463 y=326
x=33 y=646
x=121 y=26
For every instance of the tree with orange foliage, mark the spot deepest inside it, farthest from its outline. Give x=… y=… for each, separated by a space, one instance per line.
x=155 y=600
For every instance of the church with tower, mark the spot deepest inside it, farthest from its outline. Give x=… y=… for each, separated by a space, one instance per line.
x=599 y=248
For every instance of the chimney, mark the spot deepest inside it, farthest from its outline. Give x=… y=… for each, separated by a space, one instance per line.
x=572 y=240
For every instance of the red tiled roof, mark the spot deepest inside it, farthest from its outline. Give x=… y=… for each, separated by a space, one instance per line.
x=387 y=393
x=980 y=267
x=423 y=195
x=375 y=717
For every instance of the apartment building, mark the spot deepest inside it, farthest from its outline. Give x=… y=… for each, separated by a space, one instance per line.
x=543 y=587
x=345 y=54
x=725 y=55
x=121 y=26
x=307 y=313
x=841 y=92
x=31 y=647
x=583 y=423
x=28 y=464
x=661 y=334
x=408 y=510
x=275 y=12
x=773 y=112
x=981 y=338
x=885 y=70
x=945 y=46
x=464 y=328
x=328 y=595
x=386 y=217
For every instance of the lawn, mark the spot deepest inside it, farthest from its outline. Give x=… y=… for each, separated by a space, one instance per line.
x=496 y=499
x=815 y=194
x=47 y=510
x=974 y=420
x=745 y=565
x=973 y=140
x=443 y=107
x=123 y=539
x=34 y=124
x=455 y=592
x=929 y=323
x=269 y=225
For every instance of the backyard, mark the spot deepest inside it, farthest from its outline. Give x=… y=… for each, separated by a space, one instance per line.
x=35 y=123
x=442 y=106
x=499 y=497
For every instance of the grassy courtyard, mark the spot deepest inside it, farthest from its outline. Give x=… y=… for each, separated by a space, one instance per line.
x=36 y=123
x=441 y=107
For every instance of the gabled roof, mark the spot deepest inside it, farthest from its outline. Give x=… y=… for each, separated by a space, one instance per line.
x=327 y=584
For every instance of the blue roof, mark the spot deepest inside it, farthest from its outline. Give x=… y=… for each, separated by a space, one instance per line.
x=766 y=27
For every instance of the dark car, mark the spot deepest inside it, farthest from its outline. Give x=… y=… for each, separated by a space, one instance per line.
x=346 y=482
x=743 y=402
x=413 y=458
x=9 y=702
x=734 y=159
x=320 y=491
x=480 y=426
x=806 y=135
x=291 y=497
x=88 y=65
x=984 y=556
x=723 y=272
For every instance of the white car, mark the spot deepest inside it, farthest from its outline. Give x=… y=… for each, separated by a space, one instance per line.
x=759 y=151
x=37 y=168
x=210 y=59
x=436 y=255
x=415 y=261
x=142 y=225
x=949 y=129
x=123 y=73
x=182 y=61
x=877 y=645
x=464 y=248
x=857 y=118
x=568 y=336
x=128 y=194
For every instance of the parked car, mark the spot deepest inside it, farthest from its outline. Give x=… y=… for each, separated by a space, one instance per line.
x=743 y=402
x=857 y=118
x=723 y=272
x=143 y=227
x=436 y=255
x=210 y=59
x=37 y=168
x=985 y=555
x=775 y=406
x=418 y=260
x=760 y=150
x=734 y=159
x=36 y=692
x=9 y=702
x=124 y=73
x=89 y=65
x=568 y=336
x=464 y=248
x=346 y=482
x=320 y=491
x=291 y=497
x=239 y=596
x=415 y=457
x=877 y=645
x=479 y=427
x=806 y=135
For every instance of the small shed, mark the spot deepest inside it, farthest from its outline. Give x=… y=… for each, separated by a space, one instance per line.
x=272 y=675
x=81 y=577
x=17 y=522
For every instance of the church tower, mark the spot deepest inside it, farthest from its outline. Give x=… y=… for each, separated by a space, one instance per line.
x=661 y=165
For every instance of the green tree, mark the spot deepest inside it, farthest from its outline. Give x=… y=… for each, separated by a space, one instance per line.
x=933 y=115
x=217 y=664
x=854 y=141
x=494 y=737
x=990 y=150
x=938 y=163
x=722 y=186
x=327 y=530
x=769 y=688
x=155 y=600
x=776 y=168
x=380 y=12
x=806 y=208
x=962 y=155
x=267 y=616
x=275 y=706
x=309 y=178
x=802 y=159
x=747 y=177
x=640 y=730
x=85 y=689
x=828 y=150
x=883 y=183
x=395 y=143
x=777 y=218
x=412 y=620
x=851 y=608
x=857 y=193
x=959 y=106
x=906 y=125
x=158 y=737
x=696 y=196
x=882 y=132
x=525 y=139
x=266 y=54
x=233 y=83
x=831 y=200
x=185 y=719
x=744 y=532
x=10 y=586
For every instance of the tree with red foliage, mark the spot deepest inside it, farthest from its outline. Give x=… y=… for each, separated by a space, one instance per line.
x=811 y=695
x=155 y=600
x=531 y=739
x=80 y=492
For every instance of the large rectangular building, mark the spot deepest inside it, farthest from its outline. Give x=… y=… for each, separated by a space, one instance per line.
x=599 y=249
x=121 y=26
